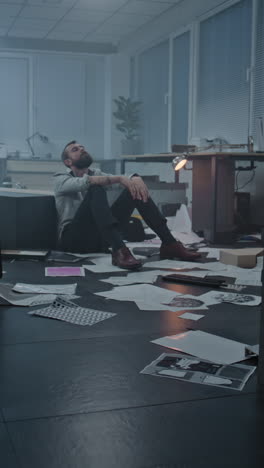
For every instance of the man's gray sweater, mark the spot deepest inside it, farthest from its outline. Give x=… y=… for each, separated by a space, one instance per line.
x=69 y=192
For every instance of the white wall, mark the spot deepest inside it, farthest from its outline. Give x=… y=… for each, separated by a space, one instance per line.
x=60 y=95
x=119 y=72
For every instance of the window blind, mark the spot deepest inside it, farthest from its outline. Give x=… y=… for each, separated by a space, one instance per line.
x=222 y=107
x=258 y=99
x=180 y=89
x=14 y=102
x=153 y=77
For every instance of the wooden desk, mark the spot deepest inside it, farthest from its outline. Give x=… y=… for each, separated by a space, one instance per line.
x=34 y=174
x=148 y=157
x=213 y=189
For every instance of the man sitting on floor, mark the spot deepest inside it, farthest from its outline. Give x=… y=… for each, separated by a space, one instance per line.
x=88 y=224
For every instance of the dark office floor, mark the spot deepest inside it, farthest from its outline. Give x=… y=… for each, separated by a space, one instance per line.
x=73 y=397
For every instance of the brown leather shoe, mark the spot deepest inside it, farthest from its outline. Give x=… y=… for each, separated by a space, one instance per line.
x=177 y=250
x=123 y=258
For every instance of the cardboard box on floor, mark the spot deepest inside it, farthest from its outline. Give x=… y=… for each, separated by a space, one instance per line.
x=244 y=258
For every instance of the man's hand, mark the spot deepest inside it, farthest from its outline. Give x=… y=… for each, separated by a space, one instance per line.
x=136 y=187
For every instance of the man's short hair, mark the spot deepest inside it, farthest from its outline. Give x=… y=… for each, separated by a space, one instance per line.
x=64 y=154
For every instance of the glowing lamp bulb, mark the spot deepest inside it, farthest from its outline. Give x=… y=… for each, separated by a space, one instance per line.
x=179 y=163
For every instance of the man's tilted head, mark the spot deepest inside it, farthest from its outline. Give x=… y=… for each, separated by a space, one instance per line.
x=75 y=155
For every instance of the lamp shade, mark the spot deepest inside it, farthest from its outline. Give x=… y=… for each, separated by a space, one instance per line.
x=179 y=162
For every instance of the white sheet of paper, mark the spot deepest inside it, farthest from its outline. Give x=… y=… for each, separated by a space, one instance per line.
x=153 y=306
x=182 y=221
x=177 y=304
x=196 y=273
x=211 y=252
x=187 y=301
x=40 y=299
x=156 y=306
x=235 y=271
x=102 y=265
x=217 y=297
x=116 y=280
x=173 y=373
x=187 y=238
x=145 y=243
x=10 y=297
x=45 y=288
x=190 y=316
x=131 y=278
x=251 y=279
x=102 y=268
x=214 y=266
x=88 y=255
x=259 y=264
x=206 y=346
x=173 y=264
x=140 y=292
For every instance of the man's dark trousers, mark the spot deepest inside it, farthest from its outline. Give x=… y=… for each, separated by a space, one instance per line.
x=87 y=232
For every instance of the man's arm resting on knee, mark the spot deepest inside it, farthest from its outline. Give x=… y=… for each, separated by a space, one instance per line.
x=134 y=184
x=103 y=179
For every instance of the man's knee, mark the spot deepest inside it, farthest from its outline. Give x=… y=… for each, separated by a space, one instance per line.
x=95 y=192
x=94 y=188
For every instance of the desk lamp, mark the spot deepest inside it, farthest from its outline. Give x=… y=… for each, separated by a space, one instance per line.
x=42 y=138
x=180 y=161
x=181 y=158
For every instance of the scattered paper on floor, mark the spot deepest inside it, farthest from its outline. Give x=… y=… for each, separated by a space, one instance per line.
x=173 y=264
x=67 y=311
x=190 y=369
x=45 y=288
x=131 y=278
x=190 y=316
x=10 y=297
x=211 y=252
x=217 y=297
x=206 y=346
x=103 y=265
x=64 y=271
x=140 y=292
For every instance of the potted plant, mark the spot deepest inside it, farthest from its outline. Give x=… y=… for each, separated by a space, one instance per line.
x=128 y=113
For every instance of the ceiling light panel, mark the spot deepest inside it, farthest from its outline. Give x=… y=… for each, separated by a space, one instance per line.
x=129 y=19
x=24 y=23
x=51 y=2
x=112 y=28
x=110 y=38
x=75 y=26
x=27 y=33
x=12 y=2
x=6 y=22
x=53 y=13
x=105 y=5
x=173 y=2
x=9 y=10
x=66 y=36
x=90 y=15
x=3 y=31
x=145 y=7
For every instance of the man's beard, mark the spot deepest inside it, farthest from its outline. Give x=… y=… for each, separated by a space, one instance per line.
x=84 y=161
